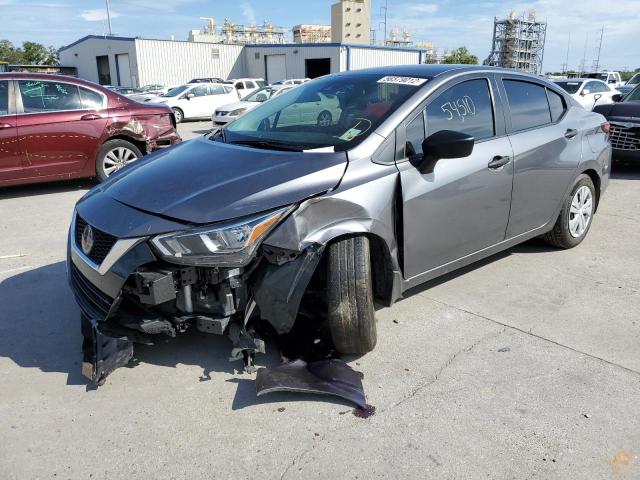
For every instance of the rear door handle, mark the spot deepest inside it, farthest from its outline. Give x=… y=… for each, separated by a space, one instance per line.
x=499 y=162
x=570 y=133
x=90 y=116
x=5 y=125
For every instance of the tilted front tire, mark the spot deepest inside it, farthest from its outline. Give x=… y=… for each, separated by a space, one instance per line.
x=350 y=295
x=576 y=215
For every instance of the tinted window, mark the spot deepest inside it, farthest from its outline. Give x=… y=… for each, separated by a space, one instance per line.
x=415 y=136
x=556 y=103
x=527 y=103
x=465 y=108
x=4 y=98
x=217 y=90
x=199 y=91
x=239 y=85
x=91 y=100
x=569 y=87
x=49 y=96
x=597 y=87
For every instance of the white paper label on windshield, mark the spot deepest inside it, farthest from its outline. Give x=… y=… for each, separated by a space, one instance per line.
x=415 y=81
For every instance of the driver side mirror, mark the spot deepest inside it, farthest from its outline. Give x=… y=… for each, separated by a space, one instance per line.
x=444 y=144
x=189 y=96
x=617 y=97
x=584 y=92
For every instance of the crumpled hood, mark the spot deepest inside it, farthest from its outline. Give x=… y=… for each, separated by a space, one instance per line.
x=619 y=110
x=202 y=181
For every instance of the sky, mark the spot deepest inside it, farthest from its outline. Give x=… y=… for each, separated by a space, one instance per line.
x=446 y=24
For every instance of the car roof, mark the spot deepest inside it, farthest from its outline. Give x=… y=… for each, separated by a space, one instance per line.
x=577 y=80
x=434 y=70
x=50 y=77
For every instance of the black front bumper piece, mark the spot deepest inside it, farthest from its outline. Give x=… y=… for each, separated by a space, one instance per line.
x=102 y=351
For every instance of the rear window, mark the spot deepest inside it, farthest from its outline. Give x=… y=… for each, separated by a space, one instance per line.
x=528 y=104
x=569 y=87
x=556 y=104
x=4 y=97
x=40 y=96
x=91 y=100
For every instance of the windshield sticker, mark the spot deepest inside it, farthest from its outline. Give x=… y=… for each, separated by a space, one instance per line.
x=413 y=81
x=460 y=108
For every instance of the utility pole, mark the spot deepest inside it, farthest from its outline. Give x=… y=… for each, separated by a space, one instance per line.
x=597 y=65
x=385 y=8
x=109 y=18
x=584 y=55
x=566 y=61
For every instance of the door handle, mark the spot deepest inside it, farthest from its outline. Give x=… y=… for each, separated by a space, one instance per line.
x=5 y=125
x=570 y=133
x=90 y=116
x=499 y=162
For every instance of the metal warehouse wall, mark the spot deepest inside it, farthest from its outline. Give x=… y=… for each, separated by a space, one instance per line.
x=295 y=57
x=360 y=57
x=171 y=63
x=83 y=55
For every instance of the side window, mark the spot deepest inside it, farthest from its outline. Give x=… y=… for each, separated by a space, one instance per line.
x=239 y=85
x=250 y=85
x=415 y=136
x=216 y=90
x=228 y=89
x=600 y=87
x=4 y=98
x=593 y=87
x=556 y=104
x=465 y=108
x=48 y=96
x=528 y=104
x=91 y=100
x=199 y=91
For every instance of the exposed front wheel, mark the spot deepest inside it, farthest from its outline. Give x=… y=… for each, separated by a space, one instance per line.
x=350 y=296
x=575 y=218
x=178 y=115
x=113 y=155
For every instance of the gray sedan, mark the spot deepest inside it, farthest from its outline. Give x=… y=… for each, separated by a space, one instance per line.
x=281 y=221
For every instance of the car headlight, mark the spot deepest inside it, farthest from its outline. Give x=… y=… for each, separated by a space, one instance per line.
x=237 y=111
x=225 y=244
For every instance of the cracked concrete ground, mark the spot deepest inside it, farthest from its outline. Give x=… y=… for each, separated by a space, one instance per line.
x=526 y=365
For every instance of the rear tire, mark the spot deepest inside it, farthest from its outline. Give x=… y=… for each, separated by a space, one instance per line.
x=113 y=155
x=350 y=296
x=178 y=115
x=570 y=229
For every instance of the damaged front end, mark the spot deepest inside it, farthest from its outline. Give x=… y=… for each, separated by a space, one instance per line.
x=216 y=279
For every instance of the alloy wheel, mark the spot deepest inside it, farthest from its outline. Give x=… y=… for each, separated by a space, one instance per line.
x=117 y=158
x=580 y=212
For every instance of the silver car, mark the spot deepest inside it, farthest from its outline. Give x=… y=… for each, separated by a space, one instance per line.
x=419 y=170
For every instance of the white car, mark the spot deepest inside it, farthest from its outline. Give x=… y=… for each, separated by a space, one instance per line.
x=228 y=113
x=292 y=81
x=612 y=79
x=587 y=91
x=245 y=86
x=311 y=108
x=197 y=100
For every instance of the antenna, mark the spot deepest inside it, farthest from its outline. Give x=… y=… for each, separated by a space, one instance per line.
x=109 y=18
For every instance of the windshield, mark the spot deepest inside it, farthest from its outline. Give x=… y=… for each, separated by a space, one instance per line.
x=569 y=87
x=634 y=80
x=174 y=92
x=337 y=110
x=261 y=95
x=633 y=95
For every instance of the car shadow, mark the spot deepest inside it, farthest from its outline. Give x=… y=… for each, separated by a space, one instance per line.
x=625 y=171
x=40 y=328
x=20 y=191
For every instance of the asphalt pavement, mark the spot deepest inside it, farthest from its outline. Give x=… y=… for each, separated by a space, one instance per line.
x=526 y=365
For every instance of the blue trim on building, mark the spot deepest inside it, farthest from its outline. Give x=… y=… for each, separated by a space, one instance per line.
x=103 y=37
x=351 y=45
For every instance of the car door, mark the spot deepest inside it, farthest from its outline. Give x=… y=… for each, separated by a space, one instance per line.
x=193 y=102
x=546 y=140
x=217 y=96
x=11 y=161
x=463 y=205
x=59 y=131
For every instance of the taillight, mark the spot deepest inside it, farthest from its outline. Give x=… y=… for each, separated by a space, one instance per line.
x=606 y=128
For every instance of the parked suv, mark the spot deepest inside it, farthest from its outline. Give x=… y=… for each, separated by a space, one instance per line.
x=420 y=169
x=56 y=127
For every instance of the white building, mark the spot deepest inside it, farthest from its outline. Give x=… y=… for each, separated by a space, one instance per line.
x=311 y=33
x=129 y=61
x=351 y=22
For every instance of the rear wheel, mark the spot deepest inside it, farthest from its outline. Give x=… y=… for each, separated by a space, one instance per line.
x=575 y=218
x=178 y=114
x=113 y=155
x=350 y=296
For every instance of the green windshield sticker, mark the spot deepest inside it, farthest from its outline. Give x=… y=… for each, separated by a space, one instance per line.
x=350 y=134
x=414 y=81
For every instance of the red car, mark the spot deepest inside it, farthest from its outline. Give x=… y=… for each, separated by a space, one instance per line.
x=55 y=127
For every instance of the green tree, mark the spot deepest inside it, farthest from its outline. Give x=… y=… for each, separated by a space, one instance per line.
x=9 y=53
x=461 y=55
x=31 y=53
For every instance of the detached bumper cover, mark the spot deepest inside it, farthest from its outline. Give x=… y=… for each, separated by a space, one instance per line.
x=102 y=352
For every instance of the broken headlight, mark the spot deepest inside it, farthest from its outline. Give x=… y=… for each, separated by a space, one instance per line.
x=225 y=244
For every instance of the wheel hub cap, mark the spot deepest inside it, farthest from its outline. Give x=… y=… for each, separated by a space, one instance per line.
x=117 y=158
x=580 y=211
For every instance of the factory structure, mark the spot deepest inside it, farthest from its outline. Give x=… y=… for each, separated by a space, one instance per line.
x=518 y=43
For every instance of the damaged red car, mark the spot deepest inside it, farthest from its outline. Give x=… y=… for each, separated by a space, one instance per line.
x=57 y=127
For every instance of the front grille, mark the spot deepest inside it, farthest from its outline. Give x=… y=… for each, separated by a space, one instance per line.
x=102 y=241
x=623 y=138
x=92 y=301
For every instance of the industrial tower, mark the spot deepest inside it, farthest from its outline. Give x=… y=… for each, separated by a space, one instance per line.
x=518 y=43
